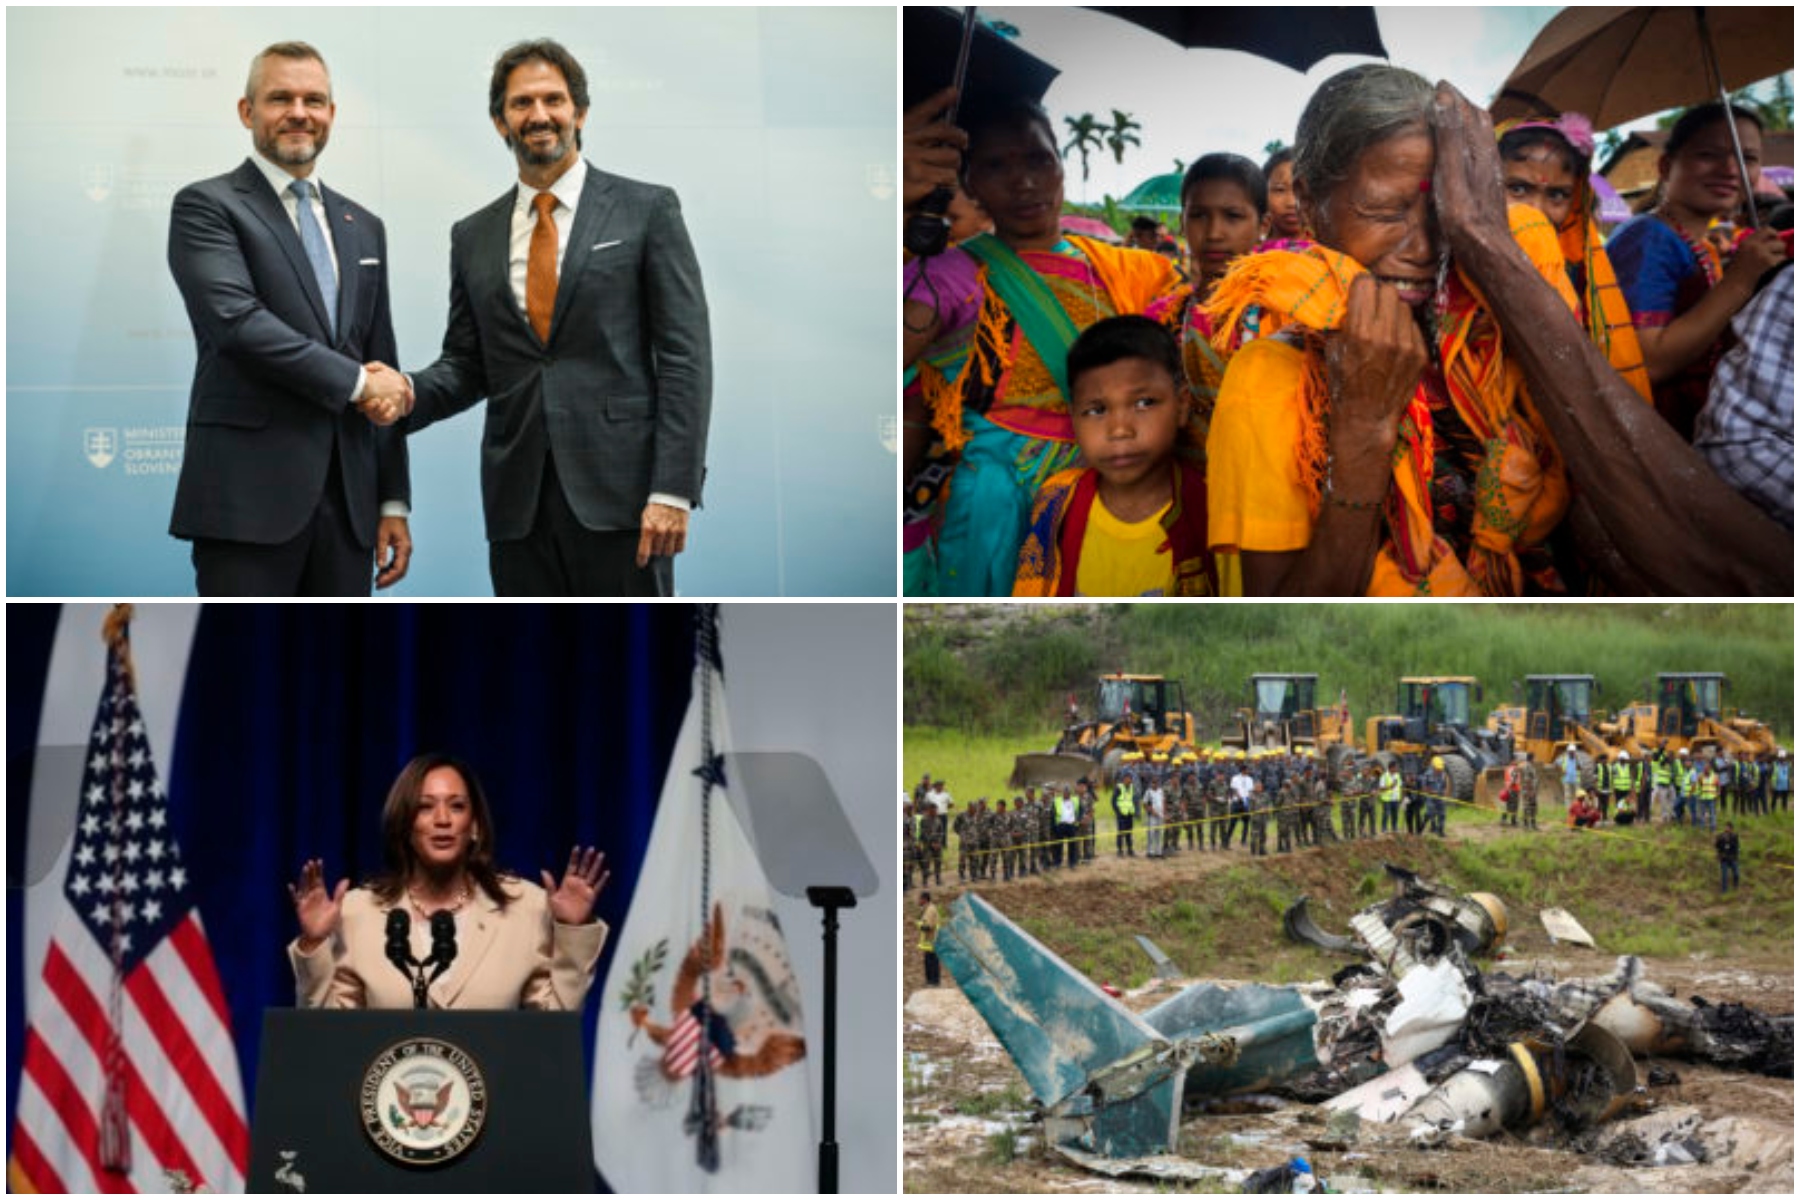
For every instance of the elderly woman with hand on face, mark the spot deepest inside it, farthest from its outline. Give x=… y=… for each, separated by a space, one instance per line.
x=517 y=945
x=1424 y=396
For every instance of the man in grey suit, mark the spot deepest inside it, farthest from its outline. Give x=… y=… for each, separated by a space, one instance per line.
x=576 y=310
x=286 y=487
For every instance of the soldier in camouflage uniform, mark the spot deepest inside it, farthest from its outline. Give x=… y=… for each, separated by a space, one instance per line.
x=909 y=844
x=1046 y=824
x=1260 y=804
x=1366 y=780
x=1287 y=814
x=1089 y=821
x=1218 y=805
x=1174 y=816
x=1022 y=823
x=963 y=825
x=1324 y=834
x=1528 y=791
x=931 y=846
x=999 y=839
x=1347 y=805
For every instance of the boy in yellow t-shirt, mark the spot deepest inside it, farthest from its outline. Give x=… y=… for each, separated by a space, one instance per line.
x=1132 y=522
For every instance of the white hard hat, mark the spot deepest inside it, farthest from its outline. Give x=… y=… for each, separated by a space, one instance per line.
x=1571 y=745
x=1682 y=752
x=1624 y=754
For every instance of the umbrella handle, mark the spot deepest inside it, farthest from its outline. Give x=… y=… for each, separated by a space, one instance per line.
x=1737 y=145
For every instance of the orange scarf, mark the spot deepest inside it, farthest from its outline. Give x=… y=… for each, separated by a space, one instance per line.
x=1521 y=490
x=1603 y=307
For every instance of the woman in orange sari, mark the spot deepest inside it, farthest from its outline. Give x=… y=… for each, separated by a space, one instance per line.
x=1424 y=395
x=1452 y=490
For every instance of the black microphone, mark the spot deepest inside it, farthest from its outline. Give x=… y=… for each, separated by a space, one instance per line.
x=399 y=938
x=443 y=942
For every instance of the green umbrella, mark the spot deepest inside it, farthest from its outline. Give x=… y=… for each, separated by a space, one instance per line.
x=1157 y=194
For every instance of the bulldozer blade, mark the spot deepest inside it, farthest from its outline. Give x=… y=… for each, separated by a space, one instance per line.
x=1298 y=923
x=1488 y=785
x=1040 y=769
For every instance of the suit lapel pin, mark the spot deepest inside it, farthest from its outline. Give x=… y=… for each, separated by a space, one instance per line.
x=348 y=218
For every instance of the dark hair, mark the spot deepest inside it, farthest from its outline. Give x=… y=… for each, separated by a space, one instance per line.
x=1106 y=342
x=539 y=50
x=1285 y=154
x=1352 y=111
x=1699 y=117
x=1014 y=112
x=1232 y=167
x=1143 y=224
x=295 y=50
x=1515 y=142
x=397 y=817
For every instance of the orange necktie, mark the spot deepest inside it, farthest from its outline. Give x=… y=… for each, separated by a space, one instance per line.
x=540 y=268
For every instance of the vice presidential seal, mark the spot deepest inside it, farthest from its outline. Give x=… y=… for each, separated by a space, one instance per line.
x=424 y=1102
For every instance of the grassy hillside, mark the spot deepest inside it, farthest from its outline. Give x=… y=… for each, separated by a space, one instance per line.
x=1008 y=669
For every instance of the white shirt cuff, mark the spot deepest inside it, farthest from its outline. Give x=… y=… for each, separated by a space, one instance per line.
x=362 y=381
x=671 y=501
x=395 y=508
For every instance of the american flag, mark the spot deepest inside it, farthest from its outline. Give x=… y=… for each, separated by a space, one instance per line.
x=681 y=1053
x=130 y=1074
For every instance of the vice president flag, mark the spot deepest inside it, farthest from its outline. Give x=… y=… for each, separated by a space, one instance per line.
x=700 y=1081
x=130 y=1081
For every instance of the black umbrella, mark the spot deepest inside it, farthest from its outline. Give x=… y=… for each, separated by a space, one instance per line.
x=1293 y=37
x=997 y=70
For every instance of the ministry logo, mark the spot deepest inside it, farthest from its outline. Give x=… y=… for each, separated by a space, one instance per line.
x=100 y=445
x=879 y=178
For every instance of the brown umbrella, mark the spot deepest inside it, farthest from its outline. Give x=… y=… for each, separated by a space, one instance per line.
x=1616 y=64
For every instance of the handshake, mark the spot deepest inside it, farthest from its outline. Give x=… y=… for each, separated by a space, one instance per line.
x=387 y=394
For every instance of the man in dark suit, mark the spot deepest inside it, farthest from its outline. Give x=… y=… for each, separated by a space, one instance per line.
x=287 y=487
x=576 y=310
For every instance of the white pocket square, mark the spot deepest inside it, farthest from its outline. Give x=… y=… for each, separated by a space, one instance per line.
x=368 y=262
x=604 y=245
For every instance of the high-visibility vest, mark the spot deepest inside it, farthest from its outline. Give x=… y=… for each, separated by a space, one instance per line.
x=1390 y=786
x=1124 y=804
x=1709 y=786
x=1065 y=810
x=1662 y=772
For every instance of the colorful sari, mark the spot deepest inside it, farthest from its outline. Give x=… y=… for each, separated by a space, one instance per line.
x=1267 y=454
x=1663 y=273
x=1050 y=559
x=996 y=390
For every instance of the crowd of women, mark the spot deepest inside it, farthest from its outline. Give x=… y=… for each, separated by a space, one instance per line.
x=1406 y=363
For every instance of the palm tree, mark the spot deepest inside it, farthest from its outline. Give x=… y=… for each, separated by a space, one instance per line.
x=1085 y=136
x=1120 y=135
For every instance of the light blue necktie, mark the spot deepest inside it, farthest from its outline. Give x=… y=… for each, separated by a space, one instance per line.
x=317 y=253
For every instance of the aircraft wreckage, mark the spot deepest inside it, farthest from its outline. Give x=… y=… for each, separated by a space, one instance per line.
x=1414 y=1032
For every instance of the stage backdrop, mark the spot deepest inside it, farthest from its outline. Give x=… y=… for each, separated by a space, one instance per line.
x=775 y=126
x=278 y=733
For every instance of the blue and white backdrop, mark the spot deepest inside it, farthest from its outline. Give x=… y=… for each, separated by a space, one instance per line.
x=775 y=126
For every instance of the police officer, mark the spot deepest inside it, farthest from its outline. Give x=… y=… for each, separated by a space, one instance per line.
x=1389 y=786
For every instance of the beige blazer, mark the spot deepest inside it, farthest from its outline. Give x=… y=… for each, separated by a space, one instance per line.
x=516 y=958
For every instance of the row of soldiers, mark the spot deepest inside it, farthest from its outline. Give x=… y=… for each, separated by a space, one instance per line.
x=996 y=841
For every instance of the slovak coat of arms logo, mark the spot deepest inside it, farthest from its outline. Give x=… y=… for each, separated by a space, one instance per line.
x=424 y=1102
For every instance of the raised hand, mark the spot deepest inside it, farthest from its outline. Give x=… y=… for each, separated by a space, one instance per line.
x=931 y=148
x=572 y=900
x=1466 y=186
x=387 y=394
x=318 y=911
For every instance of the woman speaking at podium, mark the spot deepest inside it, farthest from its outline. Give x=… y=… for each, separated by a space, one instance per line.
x=441 y=923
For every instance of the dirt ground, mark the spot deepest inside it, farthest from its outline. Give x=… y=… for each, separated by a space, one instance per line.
x=969 y=1125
